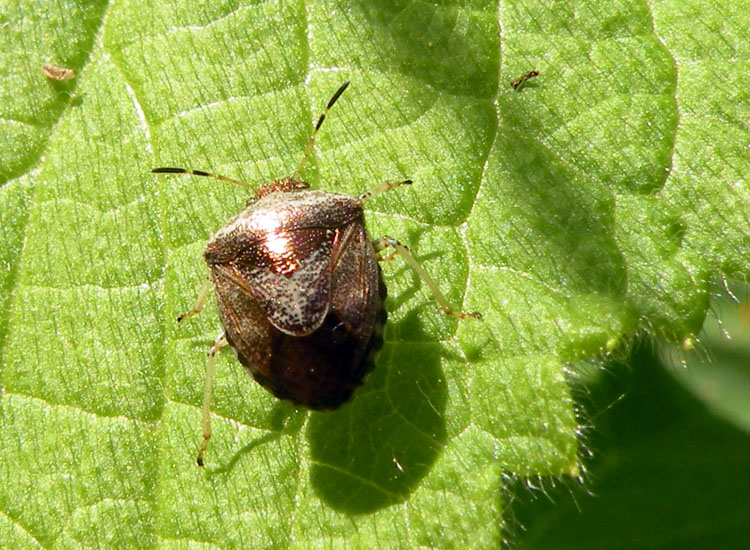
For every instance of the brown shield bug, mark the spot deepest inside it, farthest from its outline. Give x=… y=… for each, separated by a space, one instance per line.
x=299 y=289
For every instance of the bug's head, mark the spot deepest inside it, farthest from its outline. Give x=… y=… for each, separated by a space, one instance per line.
x=279 y=186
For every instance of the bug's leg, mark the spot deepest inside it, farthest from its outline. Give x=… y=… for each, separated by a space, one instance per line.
x=377 y=190
x=384 y=242
x=199 y=303
x=388 y=257
x=310 y=142
x=219 y=343
x=382 y=188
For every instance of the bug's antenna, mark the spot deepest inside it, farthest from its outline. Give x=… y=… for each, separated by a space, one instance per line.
x=200 y=173
x=310 y=142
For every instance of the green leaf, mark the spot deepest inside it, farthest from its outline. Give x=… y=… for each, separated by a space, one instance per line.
x=669 y=473
x=595 y=201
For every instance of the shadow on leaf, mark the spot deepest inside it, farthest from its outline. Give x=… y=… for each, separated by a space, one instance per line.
x=374 y=451
x=258 y=441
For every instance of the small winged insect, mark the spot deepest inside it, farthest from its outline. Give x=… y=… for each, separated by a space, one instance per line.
x=521 y=80
x=57 y=73
x=299 y=289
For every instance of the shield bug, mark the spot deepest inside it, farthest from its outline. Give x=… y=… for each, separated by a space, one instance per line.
x=299 y=290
